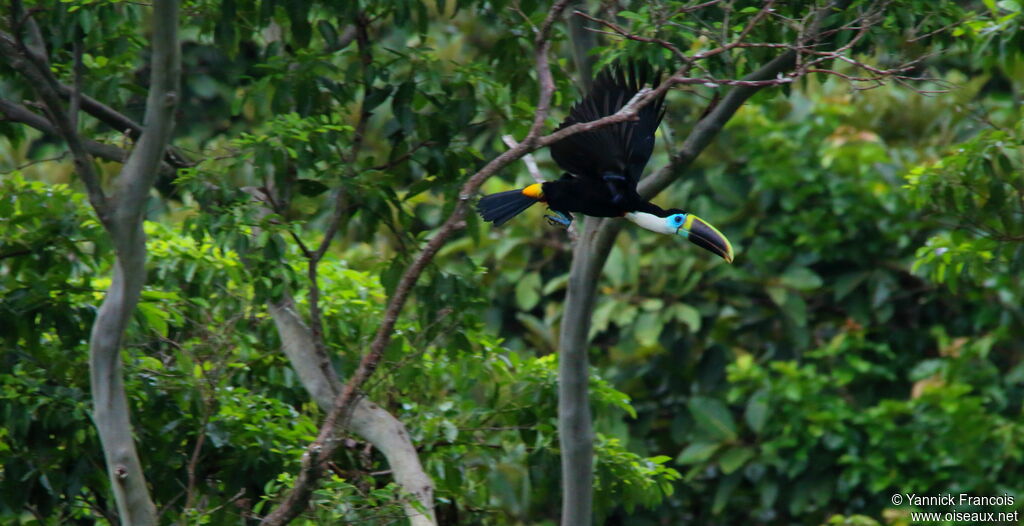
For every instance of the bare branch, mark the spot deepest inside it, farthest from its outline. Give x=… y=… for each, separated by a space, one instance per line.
x=575 y=432
x=767 y=8
x=969 y=18
x=708 y=127
x=37 y=71
x=618 y=30
x=692 y=8
x=18 y=113
x=361 y=35
x=528 y=159
x=193 y=461
x=803 y=47
x=76 y=93
x=34 y=162
x=534 y=171
x=627 y=113
x=402 y=158
x=104 y=113
x=139 y=172
x=712 y=82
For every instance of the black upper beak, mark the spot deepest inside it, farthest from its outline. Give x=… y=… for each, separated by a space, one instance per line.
x=706 y=236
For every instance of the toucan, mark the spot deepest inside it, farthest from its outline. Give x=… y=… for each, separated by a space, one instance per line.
x=603 y=166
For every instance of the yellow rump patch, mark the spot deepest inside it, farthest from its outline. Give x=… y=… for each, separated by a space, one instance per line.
x=534 y=191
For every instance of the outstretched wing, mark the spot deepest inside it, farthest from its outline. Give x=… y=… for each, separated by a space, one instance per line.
x=620 y=149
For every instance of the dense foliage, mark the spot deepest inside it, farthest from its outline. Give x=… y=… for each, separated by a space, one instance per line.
x=867 y=340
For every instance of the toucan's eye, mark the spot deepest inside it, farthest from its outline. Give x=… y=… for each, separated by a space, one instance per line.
x=678 y=219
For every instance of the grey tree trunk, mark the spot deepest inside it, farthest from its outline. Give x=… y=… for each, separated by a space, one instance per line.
x=576 y=437
x=589 y=256
x=121 y=214
x=124 y=216
x=110 y=402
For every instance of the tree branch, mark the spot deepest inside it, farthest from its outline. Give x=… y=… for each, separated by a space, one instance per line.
x=37 y=71
x=18 y=113
x=326 y=443
x=102 y=112
x=368 y=419
x=708 y=128
x=361 y=34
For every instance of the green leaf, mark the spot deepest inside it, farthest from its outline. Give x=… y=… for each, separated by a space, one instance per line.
x=734 y=459
x=155 y=317
x=449 y=430
x=688 y=315
x=926 y=368
x=796 y=308
x=528 y=291
x=778 y=294
x=648 y=328
x=756 y=414
x=801 y=278
x=556 y=283
x=713 y=417
x=602 y=315
x=846 y=283
x=697 y=452
x=615 y=267
x=376 y=96
x=329 y=34
x=724 y=491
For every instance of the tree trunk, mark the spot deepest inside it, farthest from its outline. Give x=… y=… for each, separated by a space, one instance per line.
x=110 y=403
x=124 y=217
x=589 y=256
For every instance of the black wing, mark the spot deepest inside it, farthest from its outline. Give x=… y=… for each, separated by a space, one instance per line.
x=620 y=149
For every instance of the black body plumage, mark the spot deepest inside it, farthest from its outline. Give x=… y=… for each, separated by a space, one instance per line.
x=621 y=149
x=603 y=165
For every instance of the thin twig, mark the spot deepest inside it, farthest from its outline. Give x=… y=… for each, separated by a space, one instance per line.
x=76 y=91
x=626 y=34
x=402 y=158
x=313 y=258
x=27 y=164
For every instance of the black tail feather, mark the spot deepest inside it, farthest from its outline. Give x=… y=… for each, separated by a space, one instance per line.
x=500 y=207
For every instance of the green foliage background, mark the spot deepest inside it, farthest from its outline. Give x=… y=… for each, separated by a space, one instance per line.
x=867 y=340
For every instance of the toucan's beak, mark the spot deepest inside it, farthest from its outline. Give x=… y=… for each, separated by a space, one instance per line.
x=702 y=234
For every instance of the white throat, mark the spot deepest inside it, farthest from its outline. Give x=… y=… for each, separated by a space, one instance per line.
x=650 y=222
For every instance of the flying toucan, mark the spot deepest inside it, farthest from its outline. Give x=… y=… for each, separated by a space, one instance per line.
x=603 y=167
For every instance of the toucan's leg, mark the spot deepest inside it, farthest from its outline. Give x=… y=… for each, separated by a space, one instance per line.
x=560 y=218
x=614 y=181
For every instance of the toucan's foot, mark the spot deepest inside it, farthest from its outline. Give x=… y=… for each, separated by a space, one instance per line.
x=614 y=183
x=559 y=219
